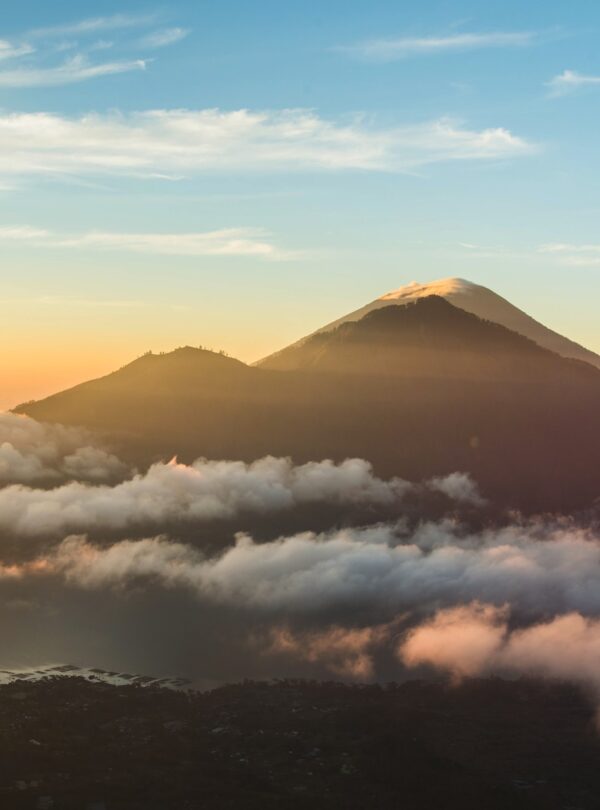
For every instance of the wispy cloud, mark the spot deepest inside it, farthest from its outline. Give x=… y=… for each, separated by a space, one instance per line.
x=22 y=233
x=176 y=143
x=101 y=45
x=38 y=65
x=224 y=242
x=93 y=303
x=93 y=25
x=74 y=70
x=166 y=36
x=9 y=50
x=403 y=47
x=586 y=255
x=569 y=81
x=473 y=252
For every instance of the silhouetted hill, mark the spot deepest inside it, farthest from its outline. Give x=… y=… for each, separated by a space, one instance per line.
x=490 y=744
x=150 y=383
x=419 y=390
x=160 y=373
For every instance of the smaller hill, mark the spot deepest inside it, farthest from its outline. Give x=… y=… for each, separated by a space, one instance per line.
x=188 y=402
x=150 y=381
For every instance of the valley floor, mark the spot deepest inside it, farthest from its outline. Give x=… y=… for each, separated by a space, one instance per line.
x=67 y=743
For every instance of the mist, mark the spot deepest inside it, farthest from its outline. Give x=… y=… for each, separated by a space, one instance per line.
x=476 y=639
x=42 y=454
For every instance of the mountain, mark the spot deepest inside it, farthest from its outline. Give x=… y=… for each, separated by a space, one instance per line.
x=419 y=390
x=465 y=295
x=428 y=337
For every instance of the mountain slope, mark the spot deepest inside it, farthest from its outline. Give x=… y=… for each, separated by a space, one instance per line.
x=431 y=338
x=467 y=296
x=419 y=390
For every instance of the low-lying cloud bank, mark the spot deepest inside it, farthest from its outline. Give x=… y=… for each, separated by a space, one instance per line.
x=473 y=640
x=347 y=652
x=175 y=493
x=476 y=639
x=43 y=454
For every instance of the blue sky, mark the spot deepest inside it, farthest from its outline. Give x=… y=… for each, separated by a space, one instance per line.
x=235 y=174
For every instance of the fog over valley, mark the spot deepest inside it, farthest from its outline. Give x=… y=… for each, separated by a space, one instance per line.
x=365 y=578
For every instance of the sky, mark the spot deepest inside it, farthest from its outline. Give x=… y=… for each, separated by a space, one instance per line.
x=235 y=175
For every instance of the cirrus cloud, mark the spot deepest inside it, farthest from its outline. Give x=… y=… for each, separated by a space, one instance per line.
x=569 y=81
x=37 y=65
x=223 y=242
x=74 y=70
x=9 y=50
x=179 y=143
x=92 y=25
x=164 y=37
x=583 y=255
x=387 y=50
